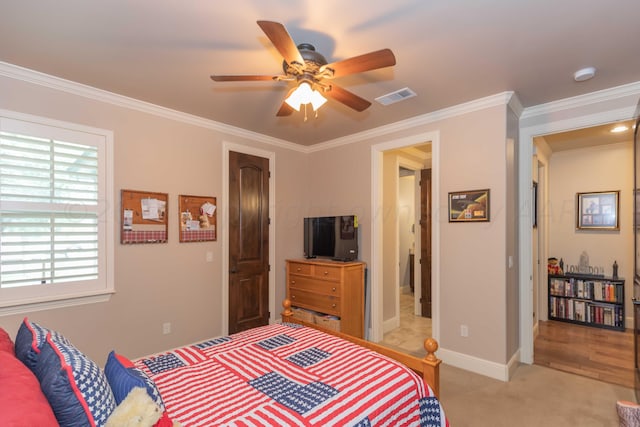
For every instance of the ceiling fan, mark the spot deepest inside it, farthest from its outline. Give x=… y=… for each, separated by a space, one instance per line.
x=313 y=75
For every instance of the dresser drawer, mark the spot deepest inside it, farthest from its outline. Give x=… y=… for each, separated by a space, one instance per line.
x=299 y=268
x=314 y=285
x=322 y=303
x=326 y=272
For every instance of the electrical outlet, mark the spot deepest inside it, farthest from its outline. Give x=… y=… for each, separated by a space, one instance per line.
x=464 y=331
x=209 y=256
x=166 y=328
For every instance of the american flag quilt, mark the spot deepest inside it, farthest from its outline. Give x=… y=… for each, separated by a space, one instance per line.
x=285 y=374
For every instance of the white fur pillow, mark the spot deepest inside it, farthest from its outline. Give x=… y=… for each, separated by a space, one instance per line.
x=137 y=410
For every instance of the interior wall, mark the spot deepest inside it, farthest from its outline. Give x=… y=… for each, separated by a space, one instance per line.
x=600 y=168
x=157 y=283
x=472 y=282
x=173 y=282
x=512 y=218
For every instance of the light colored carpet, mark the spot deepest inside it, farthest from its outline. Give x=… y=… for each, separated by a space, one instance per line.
x=536 y=396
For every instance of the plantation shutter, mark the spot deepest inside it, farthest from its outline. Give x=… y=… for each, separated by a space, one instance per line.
x=49 y=210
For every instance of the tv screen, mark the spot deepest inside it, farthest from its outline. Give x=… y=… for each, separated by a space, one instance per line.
x=334 y=237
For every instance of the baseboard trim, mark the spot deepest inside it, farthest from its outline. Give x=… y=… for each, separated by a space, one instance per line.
x=479 y=366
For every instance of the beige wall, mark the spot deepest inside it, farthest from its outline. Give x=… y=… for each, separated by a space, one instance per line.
x=158 y=283
x=173 y=282
x=601 y=168
x=473 y=255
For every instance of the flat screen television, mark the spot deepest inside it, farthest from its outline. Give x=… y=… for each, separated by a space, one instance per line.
x=334 y=237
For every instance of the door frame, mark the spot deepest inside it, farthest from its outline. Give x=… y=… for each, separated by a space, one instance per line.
x=376 y=332
x=525 y=177
x=226 y=148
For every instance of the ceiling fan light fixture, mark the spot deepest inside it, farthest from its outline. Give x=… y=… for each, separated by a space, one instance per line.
x=305 y=95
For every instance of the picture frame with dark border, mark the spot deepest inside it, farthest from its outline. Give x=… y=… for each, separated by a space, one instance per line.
x=598 y=210
x=469 y=206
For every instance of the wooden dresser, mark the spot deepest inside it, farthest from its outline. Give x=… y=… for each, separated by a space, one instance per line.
x=329 y=287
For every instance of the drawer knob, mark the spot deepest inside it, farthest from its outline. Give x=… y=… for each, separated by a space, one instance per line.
x=333 y=289
x=293 y=297
x=298 y=269
x=333 y=306
x=293 y=282
x=326 y=272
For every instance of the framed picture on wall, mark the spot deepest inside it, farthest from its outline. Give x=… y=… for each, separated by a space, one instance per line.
x=598 y=210
x=469 y=206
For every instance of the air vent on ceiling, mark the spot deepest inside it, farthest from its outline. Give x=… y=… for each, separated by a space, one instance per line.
x=397 y=96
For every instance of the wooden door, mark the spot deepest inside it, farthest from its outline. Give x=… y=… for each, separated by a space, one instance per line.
x=425 y=241
x=248 y=241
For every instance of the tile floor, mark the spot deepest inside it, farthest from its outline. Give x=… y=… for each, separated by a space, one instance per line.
x=413 y=330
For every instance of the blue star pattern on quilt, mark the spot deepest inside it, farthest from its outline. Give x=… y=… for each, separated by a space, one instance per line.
x=429 y=412
x=308 y=397
x=211 y=343
x=308 y=357
x=275 y=342
x=91 y=382
x=163 y=363
x=274 y=385
x=297 y=397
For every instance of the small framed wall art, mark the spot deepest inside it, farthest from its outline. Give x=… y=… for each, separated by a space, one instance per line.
x=598 y=210
x=197 y=218
x=143 y=217
x=469 y=206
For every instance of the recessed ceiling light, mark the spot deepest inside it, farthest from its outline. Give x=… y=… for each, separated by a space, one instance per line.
x=584 y=74
x=619 y=128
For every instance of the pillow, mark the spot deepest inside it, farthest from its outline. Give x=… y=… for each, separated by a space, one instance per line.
x=75 y=386
x=6 y=344
x=137 y=410
x=22 y=403
x=29 y=340
x=123 y=377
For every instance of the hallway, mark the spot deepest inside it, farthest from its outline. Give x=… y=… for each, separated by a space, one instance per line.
x=413 y=330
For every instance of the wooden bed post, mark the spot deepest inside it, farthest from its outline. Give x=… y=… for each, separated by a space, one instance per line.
x=428 y=367
x=431 y=372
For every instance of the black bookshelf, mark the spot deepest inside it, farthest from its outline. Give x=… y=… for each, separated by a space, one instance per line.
x=587 y=300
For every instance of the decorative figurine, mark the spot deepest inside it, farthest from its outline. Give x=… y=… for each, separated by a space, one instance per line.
x=553 y=267
x=615 y=269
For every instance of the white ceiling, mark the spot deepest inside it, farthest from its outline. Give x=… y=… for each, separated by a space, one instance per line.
x=447 y=51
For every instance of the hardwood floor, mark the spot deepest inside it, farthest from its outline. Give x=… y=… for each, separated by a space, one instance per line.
x=596 y=353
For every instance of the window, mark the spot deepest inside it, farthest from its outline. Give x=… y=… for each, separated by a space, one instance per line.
x=56 y=219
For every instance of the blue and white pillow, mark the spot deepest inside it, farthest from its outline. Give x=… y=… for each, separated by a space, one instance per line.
x=29 y=340
x=123 y=376
x=77 y=389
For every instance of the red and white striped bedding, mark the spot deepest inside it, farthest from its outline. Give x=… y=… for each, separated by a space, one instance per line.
x=286 y=374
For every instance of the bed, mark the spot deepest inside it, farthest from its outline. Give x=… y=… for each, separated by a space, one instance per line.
x=293 y=373
x=282 y=374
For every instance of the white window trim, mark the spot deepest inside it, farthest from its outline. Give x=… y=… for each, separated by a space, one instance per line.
x=78 y=297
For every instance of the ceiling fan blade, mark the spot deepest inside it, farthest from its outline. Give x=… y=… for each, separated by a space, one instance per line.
x=369 y=61
x=281 y=39
x=285 y=110
x=240 y=78
x=347 y=98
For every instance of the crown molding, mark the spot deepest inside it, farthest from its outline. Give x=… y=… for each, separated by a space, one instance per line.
x=446 y=113
x=604 y=95
x=35 y=77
